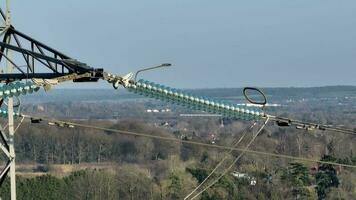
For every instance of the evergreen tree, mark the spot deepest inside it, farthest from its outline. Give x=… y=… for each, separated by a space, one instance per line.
x=175 y=188
x=297 y=177
x=326 y=178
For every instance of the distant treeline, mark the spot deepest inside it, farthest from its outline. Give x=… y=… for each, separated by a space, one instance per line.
x=66 y=95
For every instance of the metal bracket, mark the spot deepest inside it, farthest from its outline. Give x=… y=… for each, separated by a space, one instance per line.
x=151 y=68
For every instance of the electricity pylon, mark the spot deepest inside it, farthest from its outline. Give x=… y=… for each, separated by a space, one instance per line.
x=41 y=64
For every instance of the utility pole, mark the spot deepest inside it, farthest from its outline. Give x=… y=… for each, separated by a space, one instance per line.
x=58 y=67
x=10 y=106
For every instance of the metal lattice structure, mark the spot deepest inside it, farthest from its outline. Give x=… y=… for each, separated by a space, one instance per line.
x=40 y=60
x=26 y=58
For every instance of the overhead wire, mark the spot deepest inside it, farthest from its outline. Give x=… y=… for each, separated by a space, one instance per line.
x=310 y=125
x=18 y=125
x=226 y=109
x=245 y=131
x=229 y=110
x=220 y=147
x=234 y=162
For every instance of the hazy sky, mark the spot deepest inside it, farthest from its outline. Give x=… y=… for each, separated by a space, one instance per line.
x=231 y=43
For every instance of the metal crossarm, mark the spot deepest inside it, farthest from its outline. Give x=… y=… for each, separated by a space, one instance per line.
x=41 y=61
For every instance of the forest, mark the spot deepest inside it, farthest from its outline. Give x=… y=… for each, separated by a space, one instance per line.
x=55 y=162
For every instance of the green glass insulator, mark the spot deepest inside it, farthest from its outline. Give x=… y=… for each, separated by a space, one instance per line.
x=175 y=94
x=17 y=85
x=140 y=91
x=204 y=103
x=154 y=88
x=191 y=99
x=170 y=93
x=11 y=85
x=196 y=100
x=28 y=88
x=217 y=106
x=148 y=88
x=14 y=91
x=3 y=113
x=242 y=111
x=236 y=109
x=201 y=101
x=159 y=88
x=165 y=91
x=159 y=91
x=213 y=103
x=7 y=91
x=148 y=85
x=207 y=102
x=233 y=108
x=186 y=98
x=20 y=90
x=227 y=110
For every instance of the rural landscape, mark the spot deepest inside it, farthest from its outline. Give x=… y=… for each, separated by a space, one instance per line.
x=55 y=162
x=252 y=100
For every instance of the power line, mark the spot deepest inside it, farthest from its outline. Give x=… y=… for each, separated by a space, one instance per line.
x=245 y=132
x=231 y=164
x=190 y=142
x=228 y=110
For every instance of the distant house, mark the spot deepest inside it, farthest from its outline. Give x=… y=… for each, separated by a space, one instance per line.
x=40 y=108
x=238 y=175
x=158 y=110
x=213 y=138
x=164 y=124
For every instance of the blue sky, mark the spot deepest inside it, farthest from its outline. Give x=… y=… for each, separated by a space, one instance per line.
x=231 y=43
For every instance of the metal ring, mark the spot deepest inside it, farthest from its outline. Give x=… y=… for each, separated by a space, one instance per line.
x=264 y=102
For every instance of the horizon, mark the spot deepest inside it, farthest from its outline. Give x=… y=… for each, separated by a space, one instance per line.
x=287 y=87
x=260 y=103
x=278 y=44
